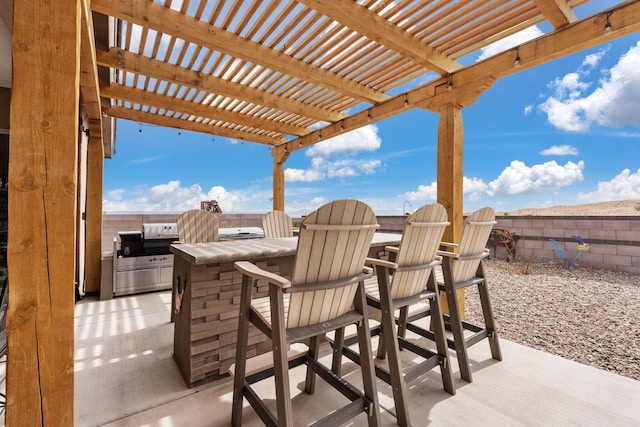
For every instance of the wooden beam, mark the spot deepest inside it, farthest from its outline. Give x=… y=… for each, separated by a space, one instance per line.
x=143 y=97
x=93 y=224
x=460 y=95
x=588 y=32
x=88 y=66
x=42 y=212
x=280 y=156
x=190 y=125
x=167 y=21
x=128 y=61
x=583 y=34
x=557 y=12
x=373 y=26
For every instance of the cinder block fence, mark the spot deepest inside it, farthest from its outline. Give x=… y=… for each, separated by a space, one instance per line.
x=613 y=241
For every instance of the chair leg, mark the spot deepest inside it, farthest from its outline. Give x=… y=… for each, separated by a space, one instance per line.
x=280 y=362
x=241 y=351
x=382 y=350
x=367 y=367
x=437 y=326
x=455 y=321
x=393 y=352
x=487 y=312
x=402 y=322
x=314 y=350
x=338 y=347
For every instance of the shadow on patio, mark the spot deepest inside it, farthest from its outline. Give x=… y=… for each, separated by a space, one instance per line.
x=125 y=376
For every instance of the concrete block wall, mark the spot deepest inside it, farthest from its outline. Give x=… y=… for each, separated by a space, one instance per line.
x=614 y=241
x=113 y=223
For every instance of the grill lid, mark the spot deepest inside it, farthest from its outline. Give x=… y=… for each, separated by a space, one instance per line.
x=168 y=230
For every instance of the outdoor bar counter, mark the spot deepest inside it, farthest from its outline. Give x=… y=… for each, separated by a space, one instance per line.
x=206 y=297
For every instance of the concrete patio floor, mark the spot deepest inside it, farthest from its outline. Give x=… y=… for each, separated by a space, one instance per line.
x=125 y=376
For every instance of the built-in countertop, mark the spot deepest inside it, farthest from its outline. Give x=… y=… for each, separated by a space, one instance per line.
x=206 y=290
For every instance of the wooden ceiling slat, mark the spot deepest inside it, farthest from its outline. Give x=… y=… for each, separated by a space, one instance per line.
x=375 y=27
x=278 y=42
x=262 y=19
x=313 y=30
x=569 y=39
x=231 y=14
x=168 y=21
x=274 y=69
x=557 y=12
x=478 y=38
x=215 y=12
x=126 y=60
x=325 y=47
x=172 y=122
x=275 y=22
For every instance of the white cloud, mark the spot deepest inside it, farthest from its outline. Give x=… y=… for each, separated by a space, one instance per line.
x=509 y=42
x=302 y=175
x=560 y=150
x=624 y=186
x=362 y=139
x=173 y=197
x=518 y=178
x=304 y=207
x=423 y=193
x=336 y=157
x=613 y=103
x=472 y=187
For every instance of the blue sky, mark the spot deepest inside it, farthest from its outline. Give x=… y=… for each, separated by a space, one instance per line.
x=564 y=133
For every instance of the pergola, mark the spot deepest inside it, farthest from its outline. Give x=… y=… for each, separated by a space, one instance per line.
x=284 y=73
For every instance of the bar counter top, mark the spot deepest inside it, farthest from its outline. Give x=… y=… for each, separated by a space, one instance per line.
x=236 y=250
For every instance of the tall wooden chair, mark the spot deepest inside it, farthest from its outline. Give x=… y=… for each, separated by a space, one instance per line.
x=406 y=282
x=197 y=226
x=325 y=292
x=194 y=226
x=461 y=268
x=277 y=224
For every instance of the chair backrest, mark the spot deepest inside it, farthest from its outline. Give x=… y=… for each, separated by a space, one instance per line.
x=333 y=243
x=197 y=226
x=473 y=241
x=277 y=224
x=420 y=241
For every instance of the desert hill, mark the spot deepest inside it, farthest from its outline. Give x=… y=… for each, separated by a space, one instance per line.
x=613 y=208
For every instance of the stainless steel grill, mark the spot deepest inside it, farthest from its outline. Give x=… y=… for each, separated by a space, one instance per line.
x=142 y=261
x=158 y=237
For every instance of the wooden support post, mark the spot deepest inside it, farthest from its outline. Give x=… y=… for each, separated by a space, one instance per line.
x=95 y=175
x=448 y=102
x=279 y=157
x=450 y=179
x=42 y=212
x=451 y=168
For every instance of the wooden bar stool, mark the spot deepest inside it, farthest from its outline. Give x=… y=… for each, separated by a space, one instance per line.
x=401 y=284
x=462 y=268
x=325 y=292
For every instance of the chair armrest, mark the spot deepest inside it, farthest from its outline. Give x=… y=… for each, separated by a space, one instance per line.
x=449 y=244
x=448 y=254
x=256 y=272
x=392 y=249
x=382 y=263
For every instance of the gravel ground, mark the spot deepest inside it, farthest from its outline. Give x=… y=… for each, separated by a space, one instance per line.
x=587 y=315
